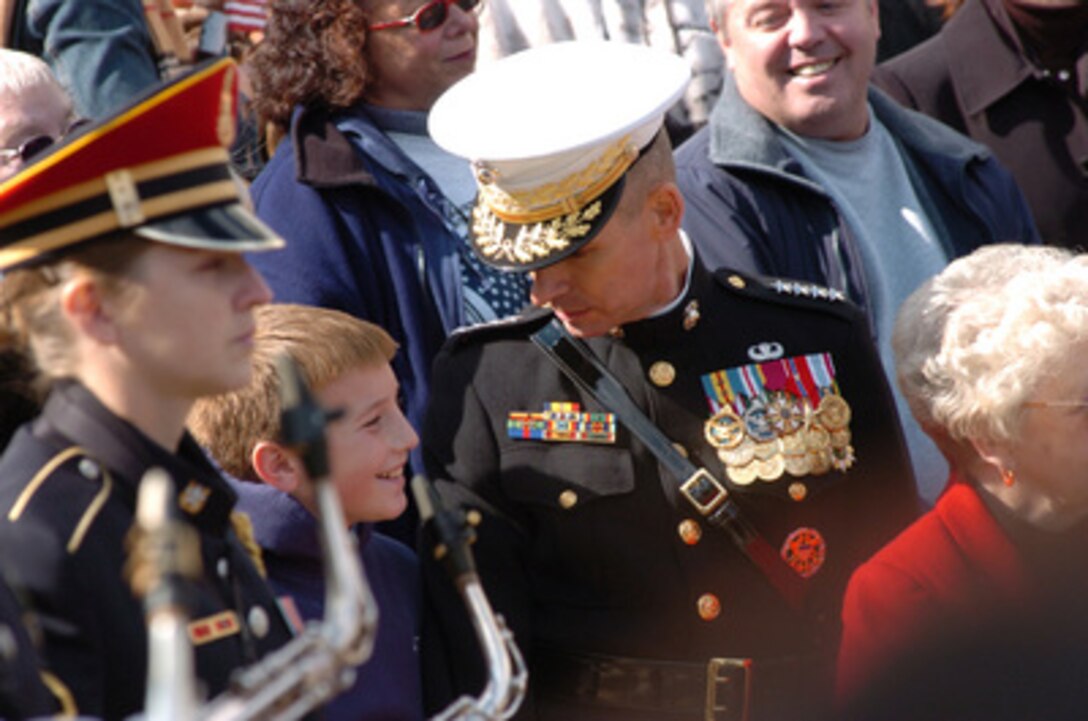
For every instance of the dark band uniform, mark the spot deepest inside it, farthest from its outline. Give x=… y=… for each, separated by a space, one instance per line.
x=68 y=481
x=618 y=592
x=22 y=691
x=74 y=473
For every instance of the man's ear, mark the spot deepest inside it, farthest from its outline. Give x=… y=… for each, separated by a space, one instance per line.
x=82 y=303
x=666 y=206
x=276 y=466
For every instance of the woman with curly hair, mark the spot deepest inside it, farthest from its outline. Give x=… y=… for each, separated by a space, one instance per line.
x=375 y=214
x=990 y=356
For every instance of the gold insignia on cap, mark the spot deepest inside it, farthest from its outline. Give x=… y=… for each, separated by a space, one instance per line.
x=798 y=491
x=563 y=197
x=709 y=607
x=568 y=499
x=532 y=241
x=662 y=374
x=125 y=198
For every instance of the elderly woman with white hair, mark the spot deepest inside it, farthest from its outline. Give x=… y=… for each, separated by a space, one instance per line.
x=35 y=111
x=991 y=357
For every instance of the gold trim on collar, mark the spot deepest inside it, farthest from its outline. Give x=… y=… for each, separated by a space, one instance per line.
x=562 y=198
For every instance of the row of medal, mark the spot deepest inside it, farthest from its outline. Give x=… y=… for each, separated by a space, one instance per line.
x=779 y=433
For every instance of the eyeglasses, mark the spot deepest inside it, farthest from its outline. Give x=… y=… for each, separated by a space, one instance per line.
x=430 y=16
x=29 y=148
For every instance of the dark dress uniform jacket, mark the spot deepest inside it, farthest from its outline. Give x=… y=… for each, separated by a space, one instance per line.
x=579 y=548
x=68 y=485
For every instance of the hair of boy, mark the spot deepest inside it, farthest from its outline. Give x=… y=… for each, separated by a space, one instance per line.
x=325 y=344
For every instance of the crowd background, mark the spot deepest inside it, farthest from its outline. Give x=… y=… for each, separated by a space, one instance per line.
x=854 y=199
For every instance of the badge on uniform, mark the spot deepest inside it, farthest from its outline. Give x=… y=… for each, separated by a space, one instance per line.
x=562 y=422
x=782 y=416
x=212 y=628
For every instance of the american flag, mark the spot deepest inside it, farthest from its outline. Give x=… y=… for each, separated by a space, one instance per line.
x=245 y=16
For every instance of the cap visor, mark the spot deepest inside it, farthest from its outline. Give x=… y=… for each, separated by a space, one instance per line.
x=227 y=227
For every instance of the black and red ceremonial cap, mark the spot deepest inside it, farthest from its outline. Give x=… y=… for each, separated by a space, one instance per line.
x=159 y=168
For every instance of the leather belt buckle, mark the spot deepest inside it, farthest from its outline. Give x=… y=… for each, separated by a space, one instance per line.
x=728 y=689
x=704 y=491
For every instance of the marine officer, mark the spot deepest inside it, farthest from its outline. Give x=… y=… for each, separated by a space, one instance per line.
x=677 y=470
x=123 y=274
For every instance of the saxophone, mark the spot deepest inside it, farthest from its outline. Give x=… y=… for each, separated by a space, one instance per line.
x=313 y=667
x=452 y=533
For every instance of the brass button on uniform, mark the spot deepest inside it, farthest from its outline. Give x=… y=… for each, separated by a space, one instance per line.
x=690 y=531
x=709 y=607
x=568 y=499
x=662 y=374
x=737 y=282
x=798 y=491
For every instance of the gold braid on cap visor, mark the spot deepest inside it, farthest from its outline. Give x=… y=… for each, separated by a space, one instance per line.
x=550 y=215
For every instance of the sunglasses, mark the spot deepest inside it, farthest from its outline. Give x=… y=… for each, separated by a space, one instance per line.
x=429 y=17
x=39 y=143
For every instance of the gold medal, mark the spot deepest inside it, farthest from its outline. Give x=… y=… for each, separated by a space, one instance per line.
x=742 y=475
x=817 y=439
x=793 y=444
x=819 y=462
x=840 y=438
x=742 y=455
x=724 y=429
x=770 y=469
x=770 y=449
x=797 y=465
x=785 y=412
x=834 y=412
x=842 y=458
x=757 y=423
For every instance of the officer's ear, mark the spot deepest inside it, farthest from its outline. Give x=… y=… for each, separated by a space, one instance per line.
x=666 y=209
x=82 y=303
x=276 y=466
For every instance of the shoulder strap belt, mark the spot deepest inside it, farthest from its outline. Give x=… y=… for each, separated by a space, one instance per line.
x=705 y=492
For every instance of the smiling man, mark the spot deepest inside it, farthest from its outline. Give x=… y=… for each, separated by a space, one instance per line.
x=807 y=172
x=628 y=576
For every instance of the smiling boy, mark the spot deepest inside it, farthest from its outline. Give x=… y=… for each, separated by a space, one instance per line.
x=346 y=362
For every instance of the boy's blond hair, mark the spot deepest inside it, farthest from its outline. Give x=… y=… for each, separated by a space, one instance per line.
x=325 y=344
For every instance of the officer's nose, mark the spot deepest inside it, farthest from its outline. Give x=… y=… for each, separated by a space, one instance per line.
x=549 y=283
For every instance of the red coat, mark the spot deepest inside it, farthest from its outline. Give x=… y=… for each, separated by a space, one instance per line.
x=943 y=569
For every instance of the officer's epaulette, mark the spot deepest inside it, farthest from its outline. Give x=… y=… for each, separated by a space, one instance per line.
x=520 y=325
x=80 y=514
x=786 y=292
